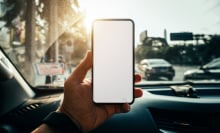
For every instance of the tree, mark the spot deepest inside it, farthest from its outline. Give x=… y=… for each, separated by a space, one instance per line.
x=12 y=8
x=47 y=18
x=212 y=48
x=30 y=39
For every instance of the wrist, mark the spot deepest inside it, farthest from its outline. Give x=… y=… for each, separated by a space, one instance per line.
x=60 y=122
x=82 y=123
x=59 y=110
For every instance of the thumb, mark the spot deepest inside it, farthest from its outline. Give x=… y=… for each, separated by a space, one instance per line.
x=81 y=70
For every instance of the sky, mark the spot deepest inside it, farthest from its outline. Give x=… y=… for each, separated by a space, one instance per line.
x=197 y=16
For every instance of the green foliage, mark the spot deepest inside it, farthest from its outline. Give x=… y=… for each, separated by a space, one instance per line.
x=182 y=55
x=144 y=51
x=213 y=48
x=13 y=8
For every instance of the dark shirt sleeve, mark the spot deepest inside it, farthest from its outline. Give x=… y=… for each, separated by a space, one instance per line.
x=60 y=123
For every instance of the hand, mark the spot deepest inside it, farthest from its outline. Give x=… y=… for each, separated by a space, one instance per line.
x=78 y=104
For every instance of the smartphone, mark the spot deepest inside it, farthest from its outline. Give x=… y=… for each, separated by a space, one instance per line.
x=113 y=60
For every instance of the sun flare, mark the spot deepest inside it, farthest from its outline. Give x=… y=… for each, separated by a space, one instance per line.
x=91 y=12
x=88 y=22
x=95 y=10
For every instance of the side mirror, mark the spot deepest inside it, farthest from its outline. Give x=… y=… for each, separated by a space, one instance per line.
x=6 y=72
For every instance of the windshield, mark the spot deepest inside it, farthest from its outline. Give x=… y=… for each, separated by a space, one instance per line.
x=157 y=62
x=46 y=39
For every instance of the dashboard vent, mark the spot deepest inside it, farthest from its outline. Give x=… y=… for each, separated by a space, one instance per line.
x=180 y=126
x=185 y=122
x=23 y=110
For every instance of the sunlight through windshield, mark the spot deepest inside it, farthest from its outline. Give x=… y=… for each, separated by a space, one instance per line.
x=175 y=40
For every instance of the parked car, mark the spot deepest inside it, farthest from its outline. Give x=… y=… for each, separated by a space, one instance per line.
x=156 y=68
x=208 y=71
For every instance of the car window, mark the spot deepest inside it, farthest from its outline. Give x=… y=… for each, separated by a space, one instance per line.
x=152 y=62
x=46 y=39
x=215 y=65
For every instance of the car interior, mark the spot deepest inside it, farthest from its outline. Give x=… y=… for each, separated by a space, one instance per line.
x=28 y=92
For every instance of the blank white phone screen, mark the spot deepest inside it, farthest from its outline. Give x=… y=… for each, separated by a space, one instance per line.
x=113 y=49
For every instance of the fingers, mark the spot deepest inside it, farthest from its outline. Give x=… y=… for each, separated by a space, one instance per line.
x=81 y=70
x=138 y=92
x=137 y=78
x=125 y=107
x=120 y=108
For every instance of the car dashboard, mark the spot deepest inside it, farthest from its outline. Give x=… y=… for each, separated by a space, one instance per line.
x=158 y=110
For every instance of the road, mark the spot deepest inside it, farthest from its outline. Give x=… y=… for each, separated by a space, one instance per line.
x=179 y=71
x=40 y=80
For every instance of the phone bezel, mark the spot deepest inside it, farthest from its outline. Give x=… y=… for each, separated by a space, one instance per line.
x=133 y=34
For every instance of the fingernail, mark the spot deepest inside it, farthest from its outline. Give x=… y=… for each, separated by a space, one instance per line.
x=128 y=108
